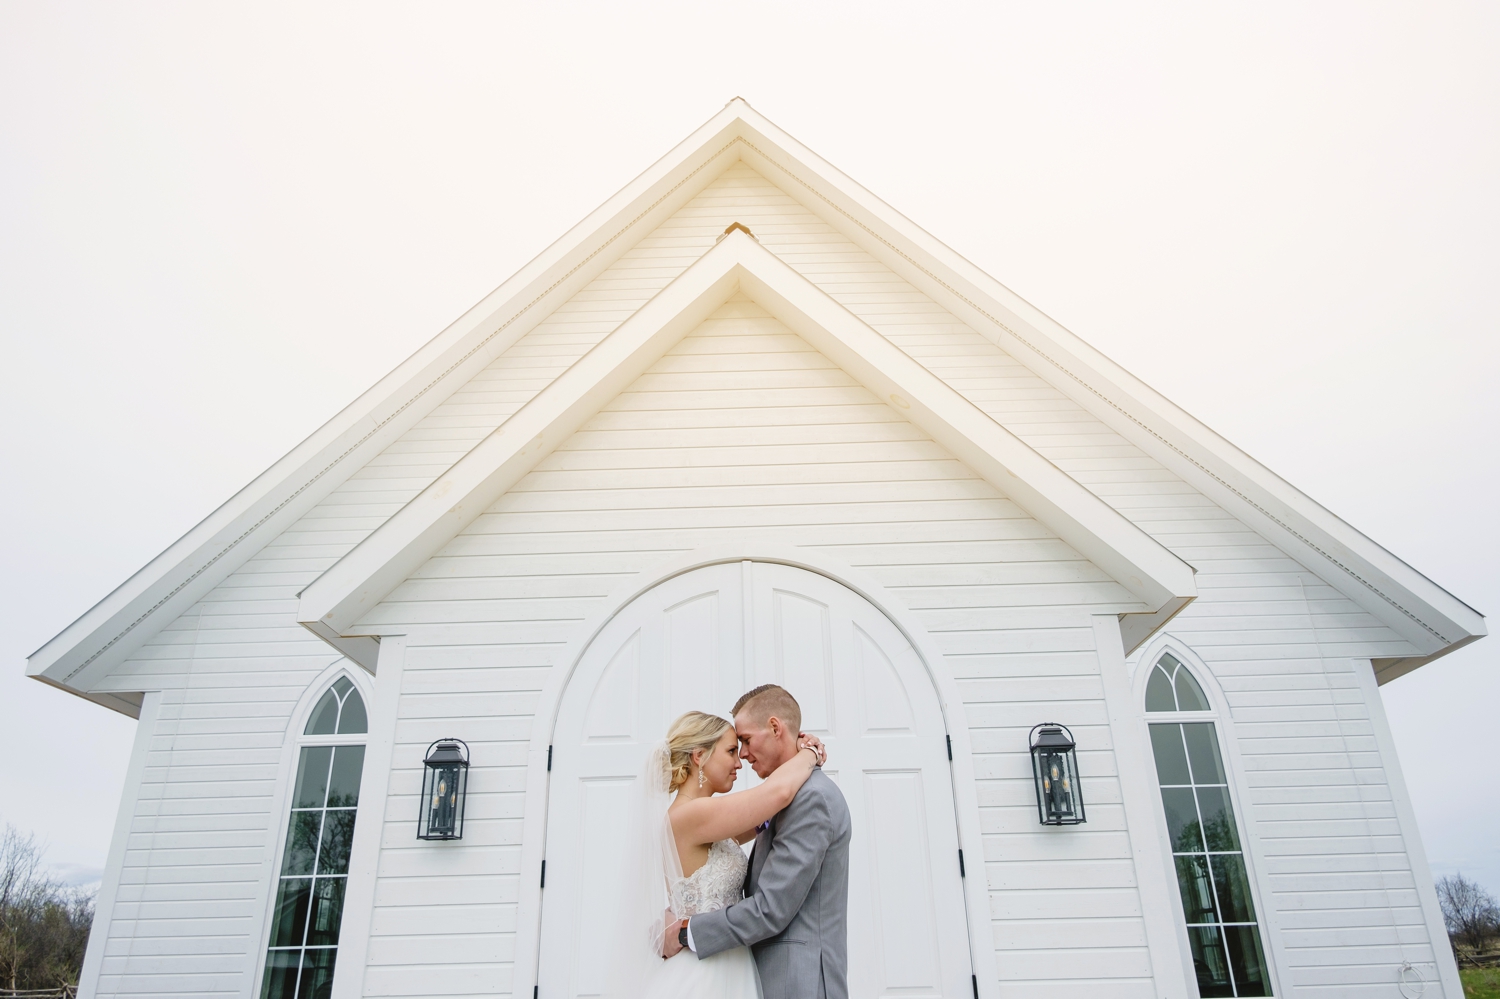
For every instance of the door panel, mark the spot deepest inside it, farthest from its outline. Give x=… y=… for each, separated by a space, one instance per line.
x=908 y=934
x=697 y=642
x=901 y=883
x=619 y=685
x=804 y=654
x=603 y=853
x=644 y=668
x=692 y=652
x=886 y=710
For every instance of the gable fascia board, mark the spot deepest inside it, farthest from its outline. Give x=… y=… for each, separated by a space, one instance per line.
x=336 y=602
x=355 y=584
x=1155 y=576
x=90 y=647
x=1415 y=607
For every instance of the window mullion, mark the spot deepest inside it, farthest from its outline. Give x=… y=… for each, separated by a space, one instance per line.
x=1216 y=865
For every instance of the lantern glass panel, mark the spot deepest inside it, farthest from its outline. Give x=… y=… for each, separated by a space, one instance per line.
x=444 y=786
x=1055 y=769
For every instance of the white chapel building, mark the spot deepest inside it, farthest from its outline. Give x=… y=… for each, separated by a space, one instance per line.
x=746 y=423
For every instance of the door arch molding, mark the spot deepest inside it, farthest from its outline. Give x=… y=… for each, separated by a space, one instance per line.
x=950 y=701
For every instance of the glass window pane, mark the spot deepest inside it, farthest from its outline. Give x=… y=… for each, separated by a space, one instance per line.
x=281 y=974
x=342 y=686
x=338 y=829
x=317 y=974
x=1159 y=692
x=1233 y=888
x=1218 y=818
x=327 y=911
x=1247 y=960
x=312 y=777
x=1203 y=753
x=325 y=716
x=1189 y=694
x=348 y=764
x=1182 y=820
x=1171 y=760
x=289 y=918
x=352 y=720
x=1209 y=961
x=1196 y=888
x=301 y=842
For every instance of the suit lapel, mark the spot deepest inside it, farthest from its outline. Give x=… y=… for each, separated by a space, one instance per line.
x=758 y=855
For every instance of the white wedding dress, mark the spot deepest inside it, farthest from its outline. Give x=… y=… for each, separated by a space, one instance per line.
x=652 y=894
x=727 y=975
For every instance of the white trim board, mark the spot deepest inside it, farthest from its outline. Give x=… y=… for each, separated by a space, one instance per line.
x=114 y=866
x=364 y=852
x=333 y=606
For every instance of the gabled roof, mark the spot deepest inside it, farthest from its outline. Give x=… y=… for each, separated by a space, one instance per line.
x=1431 y=619
x=335 y=602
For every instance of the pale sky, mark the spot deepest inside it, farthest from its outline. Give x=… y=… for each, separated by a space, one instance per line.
x=221 y=223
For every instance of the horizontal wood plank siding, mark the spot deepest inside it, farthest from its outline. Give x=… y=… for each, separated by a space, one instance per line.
x=778 y=443
x=765 y=436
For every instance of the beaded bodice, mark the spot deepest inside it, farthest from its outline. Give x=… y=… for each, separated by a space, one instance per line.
x=719 y=882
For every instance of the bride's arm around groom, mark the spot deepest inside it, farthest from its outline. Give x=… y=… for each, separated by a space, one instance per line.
x=795 y=911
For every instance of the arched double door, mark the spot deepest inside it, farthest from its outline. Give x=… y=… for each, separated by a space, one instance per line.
x=698 y=641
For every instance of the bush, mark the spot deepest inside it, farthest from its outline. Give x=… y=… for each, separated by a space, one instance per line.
x=44 y=926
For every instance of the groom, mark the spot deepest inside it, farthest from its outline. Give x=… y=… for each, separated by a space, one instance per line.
x=794 y=916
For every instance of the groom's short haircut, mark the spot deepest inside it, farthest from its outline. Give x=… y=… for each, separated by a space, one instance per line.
x=767 y=700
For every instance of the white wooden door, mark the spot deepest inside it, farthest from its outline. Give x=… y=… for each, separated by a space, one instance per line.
x=699 y=641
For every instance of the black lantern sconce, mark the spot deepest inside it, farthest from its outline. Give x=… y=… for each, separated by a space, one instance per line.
x=1059 y=799
x=445 y=778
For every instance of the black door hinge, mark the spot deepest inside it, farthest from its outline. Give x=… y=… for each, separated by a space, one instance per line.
x=960 y=864
x=544 y=874
x=549 y=767
x=950 y=747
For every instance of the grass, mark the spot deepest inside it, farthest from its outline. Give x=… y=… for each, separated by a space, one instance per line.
x=1480 y=983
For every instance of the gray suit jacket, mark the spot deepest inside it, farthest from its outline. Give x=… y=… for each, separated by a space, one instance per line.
x=795 y=913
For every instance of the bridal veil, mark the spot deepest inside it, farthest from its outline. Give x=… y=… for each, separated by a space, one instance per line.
x=637 y=915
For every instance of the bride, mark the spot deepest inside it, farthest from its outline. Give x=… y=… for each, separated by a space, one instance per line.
x=685 y=859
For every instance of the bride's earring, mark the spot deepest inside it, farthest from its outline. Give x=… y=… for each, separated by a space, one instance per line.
x=700 y=778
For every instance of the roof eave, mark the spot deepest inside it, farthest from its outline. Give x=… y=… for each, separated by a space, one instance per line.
x=106 y=634
x=1417 y=608
x=128 y=616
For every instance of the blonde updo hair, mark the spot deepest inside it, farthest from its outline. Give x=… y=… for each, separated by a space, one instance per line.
x=688 y=734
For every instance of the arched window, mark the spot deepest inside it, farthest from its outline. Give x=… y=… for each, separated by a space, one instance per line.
x=1207 y=849
x=315 y=860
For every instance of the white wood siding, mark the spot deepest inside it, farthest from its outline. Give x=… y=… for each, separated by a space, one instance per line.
x=193 y=891
x=743 y=427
